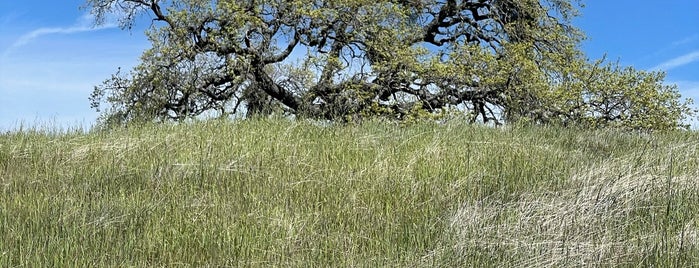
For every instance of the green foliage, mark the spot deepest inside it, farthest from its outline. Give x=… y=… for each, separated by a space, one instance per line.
x=495 y=61
x=602 y=95
x=599 y=95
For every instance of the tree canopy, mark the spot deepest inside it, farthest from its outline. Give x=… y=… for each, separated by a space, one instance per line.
x=494 y=61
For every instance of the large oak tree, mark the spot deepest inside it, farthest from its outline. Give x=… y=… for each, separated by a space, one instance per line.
x=492 y=60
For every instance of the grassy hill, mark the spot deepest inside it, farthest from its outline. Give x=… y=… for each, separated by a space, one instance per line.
x=289 y=194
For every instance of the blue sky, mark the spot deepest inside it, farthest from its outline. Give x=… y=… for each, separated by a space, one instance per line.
x=51 y=57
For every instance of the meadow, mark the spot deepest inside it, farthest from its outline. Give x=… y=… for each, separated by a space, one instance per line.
x=276 y=193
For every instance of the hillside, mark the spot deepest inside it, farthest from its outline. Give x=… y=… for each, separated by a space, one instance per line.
x=295 y=194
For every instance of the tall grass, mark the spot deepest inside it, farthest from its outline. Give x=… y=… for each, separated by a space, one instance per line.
x=289 y=194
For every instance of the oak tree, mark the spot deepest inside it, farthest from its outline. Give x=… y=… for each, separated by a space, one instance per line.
x=494 y=61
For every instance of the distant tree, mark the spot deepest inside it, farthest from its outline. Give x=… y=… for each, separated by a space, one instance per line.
x=495 y=61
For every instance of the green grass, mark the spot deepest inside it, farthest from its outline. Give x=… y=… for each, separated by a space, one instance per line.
x=294 y=194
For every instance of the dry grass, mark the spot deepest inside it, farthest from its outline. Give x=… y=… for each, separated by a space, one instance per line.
x=614 y=213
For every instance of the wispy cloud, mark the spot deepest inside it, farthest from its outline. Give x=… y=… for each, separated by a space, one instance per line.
x=678 y=61
x=83 y=24
x=686 y=40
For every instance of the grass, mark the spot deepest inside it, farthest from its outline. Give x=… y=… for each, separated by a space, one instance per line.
x=288 y=194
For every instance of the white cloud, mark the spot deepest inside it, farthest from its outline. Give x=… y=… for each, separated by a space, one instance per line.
x=678 y=61
x=686 y=40
x=83 y=24
x=47 y=80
